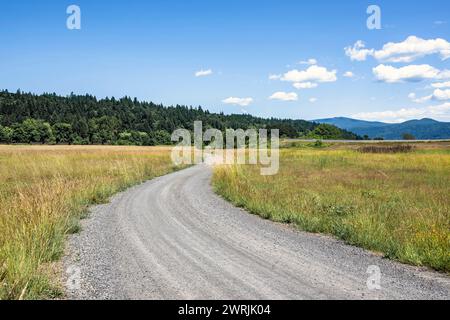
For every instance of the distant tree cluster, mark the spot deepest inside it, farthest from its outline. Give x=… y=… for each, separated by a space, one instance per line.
x=83 y=119
x=330 y=132
x=408 y=136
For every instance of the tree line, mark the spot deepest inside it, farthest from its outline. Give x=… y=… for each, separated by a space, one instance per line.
x=84 y=119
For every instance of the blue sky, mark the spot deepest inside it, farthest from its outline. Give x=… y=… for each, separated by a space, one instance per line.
x=153 y=49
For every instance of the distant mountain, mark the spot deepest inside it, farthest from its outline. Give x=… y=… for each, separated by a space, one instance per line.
x=349 y=123
x=421 y=129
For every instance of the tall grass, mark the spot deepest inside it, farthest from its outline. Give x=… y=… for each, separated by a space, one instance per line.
x=400 y=148
x=44 y=191
x=397 y=204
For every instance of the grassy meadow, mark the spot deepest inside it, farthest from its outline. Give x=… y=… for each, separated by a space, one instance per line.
x=394 y=203
x=44 y=191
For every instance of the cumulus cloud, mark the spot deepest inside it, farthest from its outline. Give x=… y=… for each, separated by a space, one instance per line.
x=312 y=74
x=441 y=85
x=358 y=52
x=441 y=111
x=203 y=73
x=413 y=48
x=439 y=94
x=411 y=73
x=243 y=102
x=312 y=100
x=406 y=51
x=349 y=74
x=305 y=85
x=284 y=96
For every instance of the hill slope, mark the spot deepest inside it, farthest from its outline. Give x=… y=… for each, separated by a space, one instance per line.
x=420 y=129
x=76 y=119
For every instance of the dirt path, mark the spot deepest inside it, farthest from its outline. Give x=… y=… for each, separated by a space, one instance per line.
x=173 y=238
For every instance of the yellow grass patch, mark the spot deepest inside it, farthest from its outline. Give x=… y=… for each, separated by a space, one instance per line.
x=398 y=204
x=44 y=190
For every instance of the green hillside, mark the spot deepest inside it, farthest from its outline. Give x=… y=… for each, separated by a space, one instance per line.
x=76 y=119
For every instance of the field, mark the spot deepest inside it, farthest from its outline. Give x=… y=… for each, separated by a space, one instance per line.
x=394 y=203
x=44 y=192
x=397 y=204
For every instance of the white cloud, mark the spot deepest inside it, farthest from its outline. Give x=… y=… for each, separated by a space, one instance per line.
x=349 y=74
x=309 y=62
x=305 y=85
x=441 y=112
x=284 y=96
x=423 y=99
x=406 y=51
x=390 y=115
x=411 y=73
x=358 y=52
x=275 y=77
x=203 y=73
x=312 y=100
x=445 y=74
x=441 y=85
x=439 y=94
x=313 y=73
x=413 y=48
x=414 y=98
x=243 y=102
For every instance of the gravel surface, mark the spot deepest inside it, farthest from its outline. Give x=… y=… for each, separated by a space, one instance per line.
x=173 y=238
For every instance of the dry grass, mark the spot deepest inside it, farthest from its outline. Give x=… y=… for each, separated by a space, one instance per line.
x=44 y=191
x=401 y=148
x=397 y=204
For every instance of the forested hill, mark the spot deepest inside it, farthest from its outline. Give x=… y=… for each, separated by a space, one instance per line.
x=76 y=119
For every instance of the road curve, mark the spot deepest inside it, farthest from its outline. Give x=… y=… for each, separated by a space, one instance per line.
x=173 y=238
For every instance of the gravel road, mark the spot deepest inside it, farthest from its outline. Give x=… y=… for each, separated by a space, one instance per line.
x=173 y=238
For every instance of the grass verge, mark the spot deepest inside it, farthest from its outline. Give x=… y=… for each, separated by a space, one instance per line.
x=397 y=204
x=44 y=192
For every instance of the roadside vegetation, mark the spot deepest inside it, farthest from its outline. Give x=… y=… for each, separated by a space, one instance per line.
x=394 y=202
x=44 y=191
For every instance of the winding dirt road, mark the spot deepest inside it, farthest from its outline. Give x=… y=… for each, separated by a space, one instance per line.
x=173 y=238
